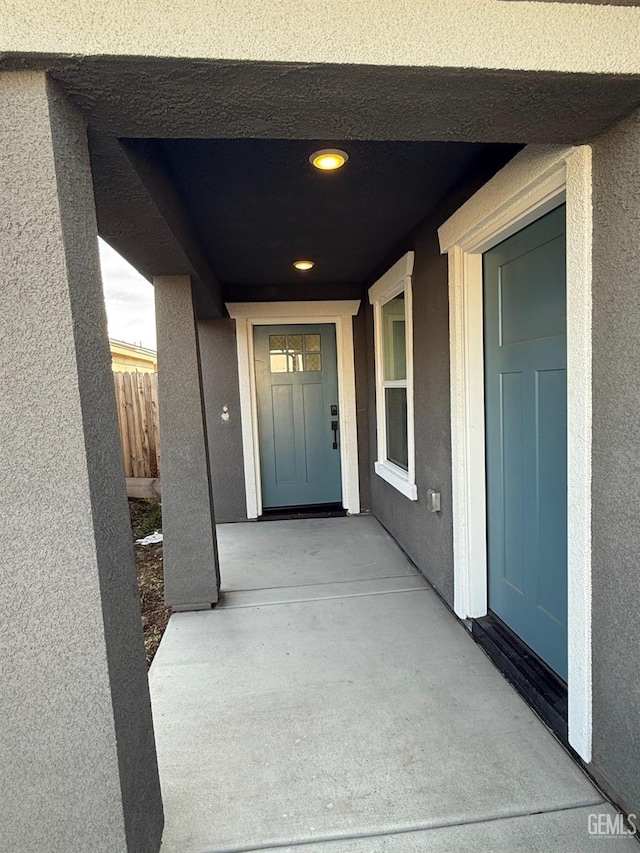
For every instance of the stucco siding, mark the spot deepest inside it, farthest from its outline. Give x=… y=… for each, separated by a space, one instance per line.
x=77 y=748
x=362 y=356
x=425 y=536
x=457 y=34
x=219 y=362
x=616 y=460
x=191 y=575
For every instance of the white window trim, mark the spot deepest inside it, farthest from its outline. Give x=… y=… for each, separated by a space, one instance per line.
x=340 y=313
x=534 y=182
x=396 y=280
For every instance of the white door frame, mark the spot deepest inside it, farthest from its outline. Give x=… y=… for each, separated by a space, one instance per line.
x=340 y=313
x=533 y=183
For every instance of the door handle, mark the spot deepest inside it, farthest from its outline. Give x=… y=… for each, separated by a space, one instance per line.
x=334 y=427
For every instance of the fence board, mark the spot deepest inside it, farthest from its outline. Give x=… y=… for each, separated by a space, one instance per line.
x=140 y=412
x=147 y=487
x=137 y=404
x=148 y=418
x=134 y=425
x=156 y=422
x=122 y=419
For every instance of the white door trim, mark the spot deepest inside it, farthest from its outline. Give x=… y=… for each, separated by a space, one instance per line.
x=338 y=312
x=535 y=181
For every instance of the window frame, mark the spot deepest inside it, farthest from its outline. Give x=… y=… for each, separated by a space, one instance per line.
x=395 y=281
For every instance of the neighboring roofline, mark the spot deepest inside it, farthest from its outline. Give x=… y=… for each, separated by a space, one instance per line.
x=132 y=348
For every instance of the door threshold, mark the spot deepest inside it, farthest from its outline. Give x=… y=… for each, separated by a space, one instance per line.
x=290 y=513
x=536 y=682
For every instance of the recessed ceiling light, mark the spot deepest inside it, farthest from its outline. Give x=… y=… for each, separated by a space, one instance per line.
x=328 y=159
x=304 y=265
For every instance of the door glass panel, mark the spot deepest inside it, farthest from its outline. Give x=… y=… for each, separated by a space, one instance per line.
x=277 y=343
x=394 y=344
x=295 y=362
x=396 y=413
x=295 y=353
x=312 y=343
x=294 y=343
x=313 y=361
x=278 y=363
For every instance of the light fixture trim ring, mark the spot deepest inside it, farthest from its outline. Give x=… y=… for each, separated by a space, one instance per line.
x=334 y=158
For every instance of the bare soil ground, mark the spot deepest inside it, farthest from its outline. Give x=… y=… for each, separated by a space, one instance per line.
x=146 y=517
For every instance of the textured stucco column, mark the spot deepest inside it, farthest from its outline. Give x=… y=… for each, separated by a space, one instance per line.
x=77 y=750
x=616 y=462
x=191 y=574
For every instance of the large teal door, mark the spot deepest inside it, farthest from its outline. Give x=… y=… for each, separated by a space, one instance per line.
x=298 y=417
x=526 y=435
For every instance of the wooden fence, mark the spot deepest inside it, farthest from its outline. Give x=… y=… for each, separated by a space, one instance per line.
x=137 y=404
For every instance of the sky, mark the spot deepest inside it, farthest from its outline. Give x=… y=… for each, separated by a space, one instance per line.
x=129 y=300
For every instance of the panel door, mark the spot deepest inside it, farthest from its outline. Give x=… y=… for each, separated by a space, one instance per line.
x=526 y=435
x=297 y=390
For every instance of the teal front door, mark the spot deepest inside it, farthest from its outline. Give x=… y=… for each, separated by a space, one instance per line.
x=526 y=435
x=298 y=416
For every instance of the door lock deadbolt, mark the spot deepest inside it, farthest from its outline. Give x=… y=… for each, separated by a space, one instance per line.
x=334 y=427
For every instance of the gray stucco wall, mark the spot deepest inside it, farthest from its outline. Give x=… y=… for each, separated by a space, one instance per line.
x=427 y=537
x=219 y=360
x=616 y=461
x=77 y=748
x=191 y=573
x=362 y=360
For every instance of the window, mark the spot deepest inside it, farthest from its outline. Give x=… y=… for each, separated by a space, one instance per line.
x=391 y=300
x=295 y=353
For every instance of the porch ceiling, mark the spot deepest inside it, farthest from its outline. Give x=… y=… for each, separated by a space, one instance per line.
x=259 y=205
x=213 y=179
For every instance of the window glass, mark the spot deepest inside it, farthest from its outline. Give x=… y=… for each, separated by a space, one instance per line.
x=394 y=339
x=313 y=361
x=392 y=317
x=277 y=343
x=295 y=353
x=278 y=363
x=294 y=342
x=396 y=414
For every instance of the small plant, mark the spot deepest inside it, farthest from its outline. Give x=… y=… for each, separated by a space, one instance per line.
x=146 y=516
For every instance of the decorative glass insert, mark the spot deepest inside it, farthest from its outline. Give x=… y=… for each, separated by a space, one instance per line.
x=312 y=343
x=294 y=342
x=313 y=361
x=278 y=363
x=295 y=353
x=277 y=343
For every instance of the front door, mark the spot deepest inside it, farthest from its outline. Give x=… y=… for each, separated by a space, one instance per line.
x=526 y=435
x=298 y=417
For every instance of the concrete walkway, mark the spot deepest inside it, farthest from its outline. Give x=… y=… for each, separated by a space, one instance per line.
x=332 y=703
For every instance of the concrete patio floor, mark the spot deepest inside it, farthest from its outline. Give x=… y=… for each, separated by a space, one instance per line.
x=332 y=703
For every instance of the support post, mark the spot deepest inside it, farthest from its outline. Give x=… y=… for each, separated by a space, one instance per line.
x=77 y=748
x=191 y=573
